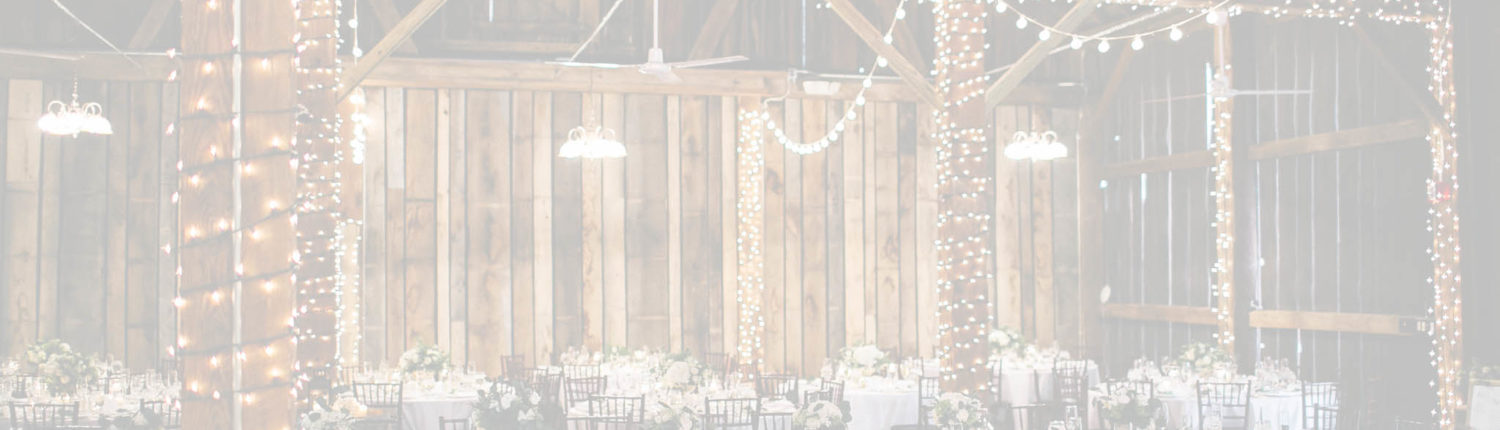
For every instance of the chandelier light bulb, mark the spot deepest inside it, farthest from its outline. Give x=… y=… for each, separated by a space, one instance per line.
x=71 y=119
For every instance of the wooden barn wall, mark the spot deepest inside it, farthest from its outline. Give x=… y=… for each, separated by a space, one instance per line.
x=1334 y=231
x=86 y=222
x=543 y=254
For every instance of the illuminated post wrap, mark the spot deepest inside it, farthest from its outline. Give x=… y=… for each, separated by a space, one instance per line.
x=750 y=177
x=964 y=182
x=319 y=218
x=1442 y=221
x=235 y=203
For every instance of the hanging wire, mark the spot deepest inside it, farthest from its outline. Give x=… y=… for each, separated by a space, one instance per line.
x=96 y=34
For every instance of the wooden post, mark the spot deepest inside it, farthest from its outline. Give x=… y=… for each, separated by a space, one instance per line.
x=319 y=215
x=1225 y=161
x=750 y=173
x=1442 y=193
x=236 y=194
x=964 y=173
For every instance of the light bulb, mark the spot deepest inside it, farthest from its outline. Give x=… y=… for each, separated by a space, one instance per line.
x=1103 y=46
x=1213 y=17
x=1044 y=35
x=1137 y=44
x=1021 y=22
x=1000 y=6
x=1176 y=34
x=1076 y=43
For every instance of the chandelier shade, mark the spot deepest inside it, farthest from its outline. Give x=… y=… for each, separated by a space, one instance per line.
x=592 y=143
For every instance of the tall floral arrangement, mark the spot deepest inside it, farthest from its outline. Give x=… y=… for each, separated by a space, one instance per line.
x=515 y=407
x=1128 y=407
x=1203 y=358
x=823 y=415
x=426 y=359
x=61 y=368
x=957 y=411
x=1006 y=341
x=860 y=361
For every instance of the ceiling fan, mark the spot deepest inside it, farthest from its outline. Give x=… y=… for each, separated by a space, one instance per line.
x=655 y=65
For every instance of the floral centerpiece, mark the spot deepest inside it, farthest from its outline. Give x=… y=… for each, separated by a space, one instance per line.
x=822 y=415
x=957 y=411
x=1128 y=407
x=425 y=359
x=515 y=407
x=680 y=372
x=322 y=417
x=1203 y=358
x=60 y=367
x=1008 y=342
x=861 y=361
x=673 y=413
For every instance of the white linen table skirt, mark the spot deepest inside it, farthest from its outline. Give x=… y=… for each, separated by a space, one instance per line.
x=1281 y=411
x=422 y=413
x=880 y=410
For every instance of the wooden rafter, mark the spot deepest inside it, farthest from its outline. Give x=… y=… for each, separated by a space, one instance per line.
x=1038 y=52
x=905 y=41
x=714 y=28
x=151 y=23
x=1394 y=325
x=1410 y=130
x=400 y=33
x=1164 y=313
x=899 y=63
x=1413 y=91
x=388 y=16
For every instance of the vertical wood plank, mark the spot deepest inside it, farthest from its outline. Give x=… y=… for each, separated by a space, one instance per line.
x=926 y=235
x=567 y=225
x=373 y=237
x=166 y=266
x=592 y=224
x=82 y=237
x=771 y=302
x=523 y=217
x=887 y=225
x=616 y=311
x=141 y=247
x=420 y=164
x=833 y=177
x=814 y=218
x=856 y=143
x=442 y=214
x=646 y=219
x=1041 y=246
x=395 y=224
x=906 y=215
x=542 y=223
x=728 y=222
x=674 y=222
x=458 y=235
x=1007 y=285
x=489 y=213
x=117 y=166
x=872 y=238
x=1064 y=191
x=699 y=240
x=791 y=219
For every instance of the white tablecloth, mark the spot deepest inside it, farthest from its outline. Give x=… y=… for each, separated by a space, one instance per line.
x=1019 y=385
x=1280 y=411
x=422 y=413
x=880 y=410
x=1484 y=407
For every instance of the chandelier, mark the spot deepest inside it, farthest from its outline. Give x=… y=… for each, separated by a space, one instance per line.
x=1035 y=146
x=70 y=119
x=597 y=142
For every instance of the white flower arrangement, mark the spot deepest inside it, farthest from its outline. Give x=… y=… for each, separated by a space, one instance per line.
x=425 y=359
x=957 y=411
x=515 y=407
x=1203 y=358
x=1128 y=407
x=325 y=418
x=673 y=413
x=1006 y=341
x=822 y=415
x=62 y=368
x=680 y=372
x=861 y=361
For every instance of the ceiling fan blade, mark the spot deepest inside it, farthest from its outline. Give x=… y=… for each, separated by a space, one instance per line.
x=665 y=75
x=610 y=66
x=708 y=62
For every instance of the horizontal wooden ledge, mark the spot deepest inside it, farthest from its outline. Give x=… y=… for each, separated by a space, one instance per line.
x=1407 y=130
x=1163 y=313
x=1395 y=325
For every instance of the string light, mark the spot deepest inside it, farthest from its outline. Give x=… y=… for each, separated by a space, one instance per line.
x=750 y=212
x=1446 y=331
x=1222 y=114
x=964 y=313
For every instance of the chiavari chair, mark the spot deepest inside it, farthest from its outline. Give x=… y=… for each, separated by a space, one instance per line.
x=617 y=413
x=453 y=423
x=580 y=390
x=386 y=398
x=726 y=414
x=1315 y=395
x=785 y=387
x=168 y=415
x=1230 y=399
x=42 y=416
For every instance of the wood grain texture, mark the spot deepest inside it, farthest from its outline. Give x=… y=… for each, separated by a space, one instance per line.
x=906 y=216
x=442 y=218
x=141 y=249
x=457 y=239
x=523 y=219
x=489 y=213
x=926 y=235
x=616 y=311
x=674 y=223
x=791 y=220
x=591 y=256
x=775 y=244
x=1006 y=288
x=814 y=219
x=567 y=225
x=420 y=212
x=887 y=227
x=727 y=143
x=645 y=222
x=541 y=158
x=395 y=224
x=116 y=168
x=373 y=237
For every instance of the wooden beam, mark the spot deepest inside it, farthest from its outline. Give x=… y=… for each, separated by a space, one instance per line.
x=1038 y=52
x=1395 y=325
x=1227 y=207
x=899 y=63
x=506 y=46
x=714 y=28
x=402 y=31
x=1409 y=130
x=1164 y=163
x=151 y=23
x=1161 y=313
x=1411 y=90
x=388 y=16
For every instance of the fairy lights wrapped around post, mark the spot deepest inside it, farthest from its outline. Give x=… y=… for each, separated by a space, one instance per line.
x=964 y=183
x=751 y=162
x=1442 y=221
x=318 y=220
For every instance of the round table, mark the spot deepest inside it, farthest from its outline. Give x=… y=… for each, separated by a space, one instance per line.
x=880 y=410
x=1278 y=410
x=1025 y=385
x=423 y=413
